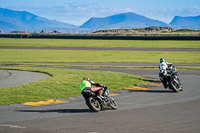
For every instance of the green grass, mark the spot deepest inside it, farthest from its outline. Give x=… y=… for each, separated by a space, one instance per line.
x=64 y=83
x=186 y=31
x=98 y=43
x=13 y=55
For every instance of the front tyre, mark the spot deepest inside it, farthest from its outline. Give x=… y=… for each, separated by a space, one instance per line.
x=93 y=104
x=174 y=86
x=113 y=104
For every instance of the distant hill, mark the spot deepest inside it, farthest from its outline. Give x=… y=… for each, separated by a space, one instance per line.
x=185 y=22
x=124 y=20
x=21 y=20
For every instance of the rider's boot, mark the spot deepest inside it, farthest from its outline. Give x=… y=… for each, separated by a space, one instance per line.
x=165 y=86
x=181 y=88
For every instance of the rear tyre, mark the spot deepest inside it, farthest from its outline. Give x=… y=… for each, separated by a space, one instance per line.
x=93 y=104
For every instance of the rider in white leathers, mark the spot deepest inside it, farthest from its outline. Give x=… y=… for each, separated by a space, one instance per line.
x=163 y=71
x=164 y=68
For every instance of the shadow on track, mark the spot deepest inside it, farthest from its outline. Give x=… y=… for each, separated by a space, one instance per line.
x=153 y=91
x=152 y=86
x=58 y=111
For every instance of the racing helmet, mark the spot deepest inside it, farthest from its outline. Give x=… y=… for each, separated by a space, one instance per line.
x=162 y=60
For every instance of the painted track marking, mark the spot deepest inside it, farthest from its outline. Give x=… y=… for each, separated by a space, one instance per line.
x=40 y=103
x=155 y=84
x=114 y=94
x=137 y=88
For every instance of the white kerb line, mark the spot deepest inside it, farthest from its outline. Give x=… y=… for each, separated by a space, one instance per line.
x=11 y=126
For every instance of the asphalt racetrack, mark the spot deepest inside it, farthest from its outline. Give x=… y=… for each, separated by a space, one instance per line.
x=156 y=110
x=9 y=78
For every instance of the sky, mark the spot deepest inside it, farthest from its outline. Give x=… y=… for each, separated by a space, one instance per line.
x=79 y=11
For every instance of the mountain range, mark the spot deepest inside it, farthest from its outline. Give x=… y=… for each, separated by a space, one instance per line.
x=124 y=20
x=11 y=20
x=186 y=22
x=24 y=21
x=132 y=20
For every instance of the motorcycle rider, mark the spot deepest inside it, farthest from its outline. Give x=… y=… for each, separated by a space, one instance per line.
x=163 y=67
x=86 y=83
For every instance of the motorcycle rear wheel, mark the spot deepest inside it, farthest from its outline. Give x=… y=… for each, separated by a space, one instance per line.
x=93 y=104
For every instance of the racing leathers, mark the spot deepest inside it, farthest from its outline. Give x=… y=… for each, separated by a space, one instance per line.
x=87 y=84
x=163 y=67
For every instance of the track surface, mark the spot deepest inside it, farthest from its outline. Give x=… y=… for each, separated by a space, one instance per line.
x=9 y=78
x=154 y=110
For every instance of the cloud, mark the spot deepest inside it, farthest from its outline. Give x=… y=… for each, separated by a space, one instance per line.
x=166 y=15
x=190 y=11
x=128 y=10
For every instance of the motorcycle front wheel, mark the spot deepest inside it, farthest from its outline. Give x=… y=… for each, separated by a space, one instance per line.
x=174 y=86
x=93 y=104
x=113 y=104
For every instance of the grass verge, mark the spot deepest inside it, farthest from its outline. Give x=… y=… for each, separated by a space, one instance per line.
x=98 y=43
x=63 y=83
x=14 y=55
